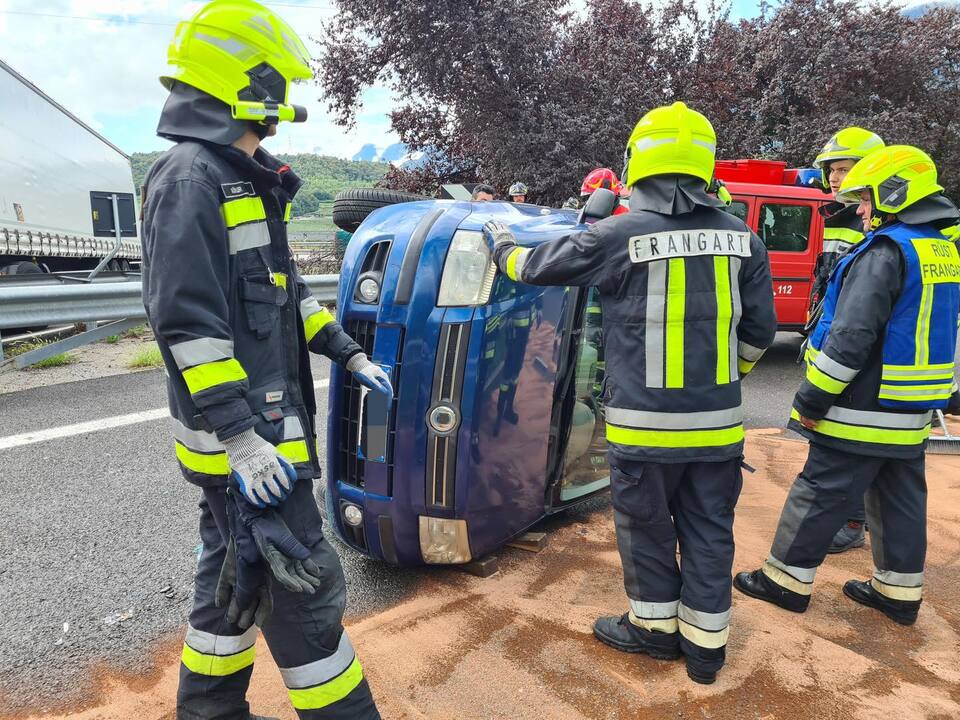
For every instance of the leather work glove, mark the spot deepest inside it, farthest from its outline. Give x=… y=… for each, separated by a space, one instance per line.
x=498 y=233
x=243 y=589
x=370 y=374
x=262 y=535
x=258 y=471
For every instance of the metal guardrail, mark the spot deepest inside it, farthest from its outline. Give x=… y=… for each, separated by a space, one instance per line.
x=35 y=305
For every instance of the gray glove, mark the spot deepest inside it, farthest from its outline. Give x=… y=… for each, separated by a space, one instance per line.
x=259 y=472
x=498 y=233
x=370 y=374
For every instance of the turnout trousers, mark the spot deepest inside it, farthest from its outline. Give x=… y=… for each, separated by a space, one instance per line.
x=304 y=632
x=818 y=502
x=658 y=506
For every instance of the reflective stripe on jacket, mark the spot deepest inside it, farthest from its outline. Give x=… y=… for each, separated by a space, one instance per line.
x=687 y=310
x=881 y=355
x=233 y=319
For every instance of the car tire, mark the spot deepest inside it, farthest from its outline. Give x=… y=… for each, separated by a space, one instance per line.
x=351 y=207
x=24 y=267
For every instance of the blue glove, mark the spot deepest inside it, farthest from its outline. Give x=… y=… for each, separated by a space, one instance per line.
x=257 y=469
x=370 y=374
x=263 y=536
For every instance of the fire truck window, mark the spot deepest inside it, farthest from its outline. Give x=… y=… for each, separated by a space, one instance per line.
x=784 y=227
x=739 y=209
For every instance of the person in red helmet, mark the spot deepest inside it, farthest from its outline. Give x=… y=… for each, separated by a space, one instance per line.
x=602 y=178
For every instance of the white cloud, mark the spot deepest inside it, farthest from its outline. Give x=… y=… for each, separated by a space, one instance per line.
x=108 y=68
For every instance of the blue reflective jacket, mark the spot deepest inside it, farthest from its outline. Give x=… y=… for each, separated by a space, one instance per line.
x=921 y=336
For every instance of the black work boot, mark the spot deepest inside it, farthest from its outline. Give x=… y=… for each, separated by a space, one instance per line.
x=848 y=537
x=620 y=633
x=757 y=585
x=700 y=675
x=900 y=611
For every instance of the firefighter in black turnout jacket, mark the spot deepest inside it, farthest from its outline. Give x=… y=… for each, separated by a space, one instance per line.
x=235 y=324
x=879 y=361
x=842 y=230
x=687 y=311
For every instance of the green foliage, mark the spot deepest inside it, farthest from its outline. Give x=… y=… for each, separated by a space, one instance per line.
x=323 y=177
x=111 y=339
x=53 y=361
x=149 y=357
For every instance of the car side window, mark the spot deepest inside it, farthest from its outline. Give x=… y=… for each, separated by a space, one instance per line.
x=739 y=209
x=784 y=228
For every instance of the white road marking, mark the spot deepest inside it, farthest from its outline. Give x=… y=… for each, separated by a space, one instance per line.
x=108 y=423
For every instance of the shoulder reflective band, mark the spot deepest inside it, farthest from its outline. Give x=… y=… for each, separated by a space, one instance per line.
x=315 y=317
x=837 y=239
x=204 y=463
x=286 y=211
x=242 y=210
x=205 y=376
x=721 y=272
x=515 y=263
x=676 y=310
x=863 y=433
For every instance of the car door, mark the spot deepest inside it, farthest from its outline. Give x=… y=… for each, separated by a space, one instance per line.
x=577 y=459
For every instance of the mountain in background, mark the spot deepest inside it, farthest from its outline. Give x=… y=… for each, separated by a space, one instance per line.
x=323 y=176
x=918 y=10
x=391 y=154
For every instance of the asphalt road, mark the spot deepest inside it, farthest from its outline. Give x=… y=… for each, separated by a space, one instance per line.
x=98 y=540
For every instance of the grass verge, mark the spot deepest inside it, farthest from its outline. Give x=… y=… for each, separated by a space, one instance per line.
x=149 y=357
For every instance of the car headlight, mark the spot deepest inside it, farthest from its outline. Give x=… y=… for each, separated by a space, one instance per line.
x=468 y=272
x=443 y=541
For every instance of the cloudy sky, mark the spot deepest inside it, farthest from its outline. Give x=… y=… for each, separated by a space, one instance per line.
x=101 y=60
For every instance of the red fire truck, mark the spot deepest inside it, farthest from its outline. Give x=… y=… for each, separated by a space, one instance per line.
x=781 y=204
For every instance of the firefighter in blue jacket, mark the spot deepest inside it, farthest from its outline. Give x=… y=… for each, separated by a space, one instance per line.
x=687 y=309
x=235 y=324
x=880 y=360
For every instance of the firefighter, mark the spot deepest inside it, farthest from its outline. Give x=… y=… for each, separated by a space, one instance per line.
x=235 y=324
x=687 y=308
x=602 y=178
x=518 y=192
x=842 y=229
x=880 y=360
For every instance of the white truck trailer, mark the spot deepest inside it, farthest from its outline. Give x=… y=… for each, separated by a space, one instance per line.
x=66 y=192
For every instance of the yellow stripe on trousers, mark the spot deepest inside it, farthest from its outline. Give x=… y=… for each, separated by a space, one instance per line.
x=676 y=309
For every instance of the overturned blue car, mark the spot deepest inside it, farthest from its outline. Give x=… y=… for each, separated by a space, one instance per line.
x=497 y=420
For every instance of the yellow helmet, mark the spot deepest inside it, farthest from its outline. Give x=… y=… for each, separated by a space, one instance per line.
x=244 y=55
x=671 y=140
x=852 y=143
x=897 y=176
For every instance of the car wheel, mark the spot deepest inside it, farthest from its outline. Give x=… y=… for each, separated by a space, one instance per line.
x=351 y=207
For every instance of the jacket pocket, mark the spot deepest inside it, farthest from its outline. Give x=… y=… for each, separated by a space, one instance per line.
x=262 y=301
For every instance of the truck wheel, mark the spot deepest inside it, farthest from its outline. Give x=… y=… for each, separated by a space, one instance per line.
x=351 y=207
x=24 y=267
